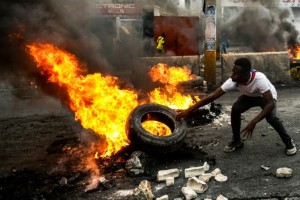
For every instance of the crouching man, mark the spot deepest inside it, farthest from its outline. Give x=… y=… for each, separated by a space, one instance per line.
x=256 y=90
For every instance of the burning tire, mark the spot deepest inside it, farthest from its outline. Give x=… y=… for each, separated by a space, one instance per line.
x=149 y=142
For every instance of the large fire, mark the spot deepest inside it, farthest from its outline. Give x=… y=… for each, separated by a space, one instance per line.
x=97 y=101
x=294 y=53
x=170 y=77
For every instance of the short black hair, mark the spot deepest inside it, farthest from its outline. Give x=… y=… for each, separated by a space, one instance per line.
x=244 y=63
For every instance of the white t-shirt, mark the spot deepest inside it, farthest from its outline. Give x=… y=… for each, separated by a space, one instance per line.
x=260 y=84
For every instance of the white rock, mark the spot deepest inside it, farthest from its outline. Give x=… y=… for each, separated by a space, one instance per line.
x=164 y=174
x=197 y=185
x=221 y=178
x=206 y=166
x=165 y=197
x=188 y=193
x=170 y=181
x=194 y=171
x=205 y=177
x=284 y=172
x=221 y=197
x=143 y=191
x=216 y=171
x=123 y=193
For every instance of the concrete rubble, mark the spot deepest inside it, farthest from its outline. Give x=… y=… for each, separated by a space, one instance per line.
x=197 y=179
x=143 y=191
x=165 y=197
x=162 y=175
x=205 y=177
x=215 y=172
x=196 y=171
x=221 y=178
x=197 y=185
x=170 y=181
x=284 y=172
x=221 y=197
x=135 y=165
x=188 y=193
x=193 y=171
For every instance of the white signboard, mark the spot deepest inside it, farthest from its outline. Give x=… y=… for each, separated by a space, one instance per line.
x=290 y=3
x=241 y=3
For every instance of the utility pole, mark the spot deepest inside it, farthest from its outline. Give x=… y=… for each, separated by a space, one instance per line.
x=210 y=42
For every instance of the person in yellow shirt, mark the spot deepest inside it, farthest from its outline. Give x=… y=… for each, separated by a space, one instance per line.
x=160 y=44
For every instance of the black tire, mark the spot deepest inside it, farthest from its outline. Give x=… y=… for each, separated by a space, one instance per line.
x=148 y=142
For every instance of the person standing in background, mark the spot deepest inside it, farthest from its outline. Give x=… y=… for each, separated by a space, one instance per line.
x=160 y=44
x=224 y=44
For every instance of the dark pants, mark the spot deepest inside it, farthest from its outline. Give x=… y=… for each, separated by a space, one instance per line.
x=244 y=103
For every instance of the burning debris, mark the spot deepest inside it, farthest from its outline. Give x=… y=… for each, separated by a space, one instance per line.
x=204 y=115
x=264 y=26
x=295 y=73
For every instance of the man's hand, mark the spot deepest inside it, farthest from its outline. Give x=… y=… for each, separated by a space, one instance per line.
x=206 y=100
x=248 y=130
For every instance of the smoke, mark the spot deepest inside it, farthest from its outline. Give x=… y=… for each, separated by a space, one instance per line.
x=263 y=26
x=73 y=25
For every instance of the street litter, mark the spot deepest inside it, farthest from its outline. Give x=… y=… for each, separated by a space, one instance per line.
x=265 y=167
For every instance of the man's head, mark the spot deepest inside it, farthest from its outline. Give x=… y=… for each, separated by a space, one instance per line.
x=240 y=72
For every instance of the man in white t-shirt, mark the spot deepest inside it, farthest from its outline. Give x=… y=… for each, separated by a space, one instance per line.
x=256 y=90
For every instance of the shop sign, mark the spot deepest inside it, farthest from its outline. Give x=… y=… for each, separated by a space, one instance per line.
x=119 y=8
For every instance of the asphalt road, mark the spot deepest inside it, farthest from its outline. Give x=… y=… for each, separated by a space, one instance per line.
x=30 y=126
x=246 y=178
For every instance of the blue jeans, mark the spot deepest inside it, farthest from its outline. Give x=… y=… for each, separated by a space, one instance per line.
x=244 y=103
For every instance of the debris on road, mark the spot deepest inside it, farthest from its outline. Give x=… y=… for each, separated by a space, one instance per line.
x=221 y=178
x=265 y=167
x=284 y=172
x=143 y=191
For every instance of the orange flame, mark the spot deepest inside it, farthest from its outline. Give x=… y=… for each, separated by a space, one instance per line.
x=294 y=52
x=98 y=102
x=156 y=127
x=169 y=95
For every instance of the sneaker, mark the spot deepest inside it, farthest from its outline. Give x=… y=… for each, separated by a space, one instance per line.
x=291 y=148
x=233 y=145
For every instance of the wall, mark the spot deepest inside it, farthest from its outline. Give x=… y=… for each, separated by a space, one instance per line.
x=182 y=34
x=274 y=65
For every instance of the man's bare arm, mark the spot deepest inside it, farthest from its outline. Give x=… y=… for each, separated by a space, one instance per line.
x=206 y=100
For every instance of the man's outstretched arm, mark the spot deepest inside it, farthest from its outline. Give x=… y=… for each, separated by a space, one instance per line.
x=206 y=100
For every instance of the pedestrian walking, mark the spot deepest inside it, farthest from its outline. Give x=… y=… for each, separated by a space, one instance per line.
x=256 y=90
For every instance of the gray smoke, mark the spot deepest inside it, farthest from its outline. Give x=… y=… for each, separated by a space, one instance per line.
x=263 y=26
x=73 y=25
